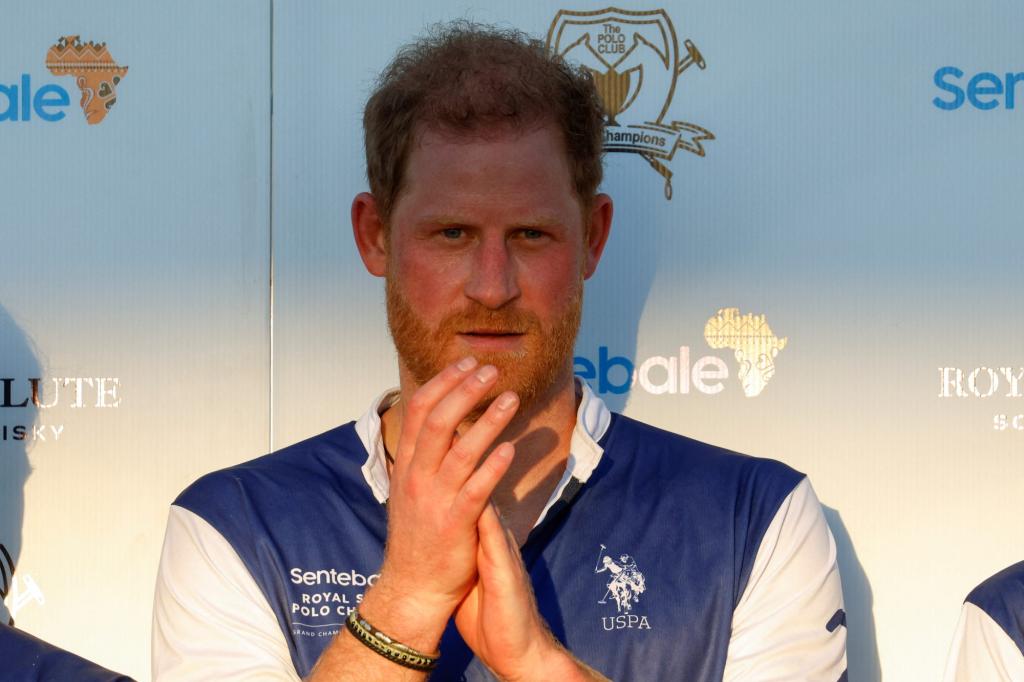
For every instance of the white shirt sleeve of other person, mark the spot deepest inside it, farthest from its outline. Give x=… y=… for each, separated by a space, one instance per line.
x=988 y=644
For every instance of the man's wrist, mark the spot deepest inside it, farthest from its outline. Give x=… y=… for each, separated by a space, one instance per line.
x=415 y=620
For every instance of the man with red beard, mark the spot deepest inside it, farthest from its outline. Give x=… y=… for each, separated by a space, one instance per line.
x=450 y=530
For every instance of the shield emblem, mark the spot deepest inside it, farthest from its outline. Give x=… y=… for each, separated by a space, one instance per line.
x=634 y=59
x=627 y=52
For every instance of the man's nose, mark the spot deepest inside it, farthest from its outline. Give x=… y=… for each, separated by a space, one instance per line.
x=492 y=278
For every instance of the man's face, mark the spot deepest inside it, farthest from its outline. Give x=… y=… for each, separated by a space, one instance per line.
x=486 y=258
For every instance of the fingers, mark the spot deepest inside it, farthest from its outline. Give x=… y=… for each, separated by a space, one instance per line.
x=476 y=493
x=423 y=401
x=438 y=426
x=464 y=455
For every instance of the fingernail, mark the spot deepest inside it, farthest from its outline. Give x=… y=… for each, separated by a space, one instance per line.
x=504 y=450
x=486 y=373
x=467 y=363
x=506 y=400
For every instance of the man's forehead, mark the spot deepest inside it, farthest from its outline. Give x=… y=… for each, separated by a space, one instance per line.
x=480 y=131
x=521 y=176
x=545 y=136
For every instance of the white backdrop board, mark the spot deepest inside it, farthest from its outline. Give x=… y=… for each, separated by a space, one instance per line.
x=849 y=173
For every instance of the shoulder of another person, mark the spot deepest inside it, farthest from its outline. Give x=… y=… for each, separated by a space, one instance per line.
x=1001 y=597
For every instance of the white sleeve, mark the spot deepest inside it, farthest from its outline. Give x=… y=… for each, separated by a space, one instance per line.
x=982 y=650
x=780 y=628
x=210 y=619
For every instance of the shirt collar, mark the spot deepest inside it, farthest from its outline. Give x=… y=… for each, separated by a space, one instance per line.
x=592 y=420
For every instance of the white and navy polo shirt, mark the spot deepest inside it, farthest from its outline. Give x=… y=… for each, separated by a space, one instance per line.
x=26 y=658
x=657 y=557
x=989 y=640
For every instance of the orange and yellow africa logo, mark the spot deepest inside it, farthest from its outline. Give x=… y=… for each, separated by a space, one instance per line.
x=752 y=341
x=95 y=71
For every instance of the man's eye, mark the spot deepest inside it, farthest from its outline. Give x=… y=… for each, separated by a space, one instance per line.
x=532 y=234
x=452 y=232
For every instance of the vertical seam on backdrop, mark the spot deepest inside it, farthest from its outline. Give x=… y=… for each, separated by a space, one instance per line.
x=270 y=248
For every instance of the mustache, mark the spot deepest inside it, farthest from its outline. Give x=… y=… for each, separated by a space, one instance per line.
x=511 y=321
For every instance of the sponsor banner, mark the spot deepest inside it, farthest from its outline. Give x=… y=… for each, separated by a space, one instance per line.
x=750 y=338
x=134 y=349
x=95 y=73
x=815 y=257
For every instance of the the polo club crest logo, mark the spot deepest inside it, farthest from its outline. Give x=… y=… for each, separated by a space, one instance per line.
x=634 y=58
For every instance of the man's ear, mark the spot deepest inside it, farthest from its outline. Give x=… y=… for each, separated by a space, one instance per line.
x=599 y=227
x=369 y=232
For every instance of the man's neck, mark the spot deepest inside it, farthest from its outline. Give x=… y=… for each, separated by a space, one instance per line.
x=541 y=435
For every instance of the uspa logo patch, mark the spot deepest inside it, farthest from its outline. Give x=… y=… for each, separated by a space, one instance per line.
x=624 y=585
x=635 y=60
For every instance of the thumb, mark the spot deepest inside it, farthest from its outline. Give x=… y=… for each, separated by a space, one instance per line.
x=493 y=537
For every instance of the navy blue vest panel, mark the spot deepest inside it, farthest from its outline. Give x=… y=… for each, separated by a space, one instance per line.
x=637 y=571
x=1002 y=598
x=26 y=658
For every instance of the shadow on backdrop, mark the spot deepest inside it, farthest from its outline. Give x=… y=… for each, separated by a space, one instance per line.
x=22 y=656
x=861 y=640
x=615 y=297
x=18 y=363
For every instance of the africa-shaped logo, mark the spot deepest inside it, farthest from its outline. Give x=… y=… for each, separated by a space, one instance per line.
x=635 y=62
x=753 y=343
x=95 y=71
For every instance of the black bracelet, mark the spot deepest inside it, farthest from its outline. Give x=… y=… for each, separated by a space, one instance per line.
x=396 y=652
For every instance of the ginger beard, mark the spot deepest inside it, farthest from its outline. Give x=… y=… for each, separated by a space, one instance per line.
x=531 y=372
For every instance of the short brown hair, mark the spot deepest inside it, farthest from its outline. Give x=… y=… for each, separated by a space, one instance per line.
x=470 y=78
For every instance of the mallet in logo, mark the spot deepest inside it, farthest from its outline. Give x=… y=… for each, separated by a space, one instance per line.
x=635 y=61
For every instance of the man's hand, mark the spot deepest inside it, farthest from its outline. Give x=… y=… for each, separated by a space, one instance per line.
x=437 y=495
x=499 y=619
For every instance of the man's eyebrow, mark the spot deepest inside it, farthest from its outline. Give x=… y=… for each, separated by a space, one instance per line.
x=540 y=221
x=455 y=221
x=442 y=220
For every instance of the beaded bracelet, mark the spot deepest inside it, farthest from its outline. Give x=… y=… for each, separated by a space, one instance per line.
x=387 y=647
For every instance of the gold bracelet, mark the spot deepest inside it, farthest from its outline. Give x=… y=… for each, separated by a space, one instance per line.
x=387 y=647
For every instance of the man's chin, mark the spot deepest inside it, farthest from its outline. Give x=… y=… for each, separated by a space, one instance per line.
x=517 y=372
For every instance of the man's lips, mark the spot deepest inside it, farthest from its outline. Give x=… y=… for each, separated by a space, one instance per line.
x=492 y=339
